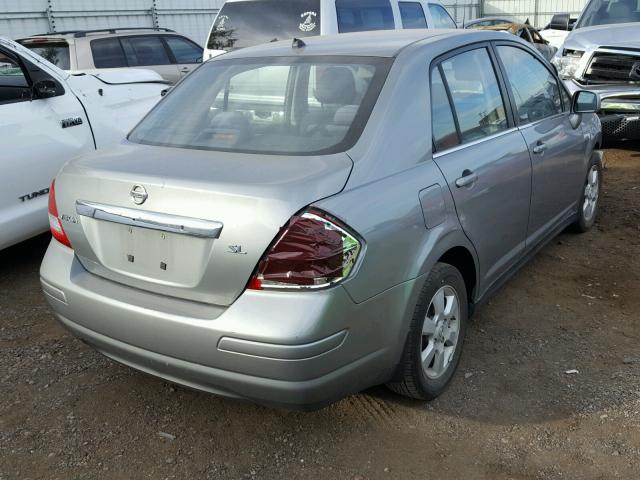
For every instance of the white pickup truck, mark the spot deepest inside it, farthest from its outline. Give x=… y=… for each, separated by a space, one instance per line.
x=48 y=116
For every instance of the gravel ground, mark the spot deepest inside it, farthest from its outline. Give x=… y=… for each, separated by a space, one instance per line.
x=512 y=411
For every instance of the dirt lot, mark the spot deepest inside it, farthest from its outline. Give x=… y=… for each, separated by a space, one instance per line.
x=512 y=411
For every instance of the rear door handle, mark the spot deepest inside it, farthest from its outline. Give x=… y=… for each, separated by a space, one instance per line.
x=185 y=70
x=539 y=148
x=468 y=178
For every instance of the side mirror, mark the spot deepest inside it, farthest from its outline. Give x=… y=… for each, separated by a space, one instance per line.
x=585 y=102
x=45 y=89
x=560 y=21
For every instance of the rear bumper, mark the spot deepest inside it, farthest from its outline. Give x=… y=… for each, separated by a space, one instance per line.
x=300 y=350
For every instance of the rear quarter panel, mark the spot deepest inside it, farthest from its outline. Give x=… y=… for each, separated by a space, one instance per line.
x=392 y=165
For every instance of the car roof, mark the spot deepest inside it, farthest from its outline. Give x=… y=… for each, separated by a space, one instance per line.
x=379 y=43
x=100 y=33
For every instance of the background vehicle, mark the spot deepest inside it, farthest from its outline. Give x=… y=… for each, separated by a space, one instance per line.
x=171 y=55
x=244 y=23
x=525 y=32
x=603 y=52
x=486 y=22
x=558 y=29
x=281 y=228
x=47 y=117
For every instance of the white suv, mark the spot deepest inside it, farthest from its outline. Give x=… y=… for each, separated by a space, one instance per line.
x=169 y=54
x=244 y=23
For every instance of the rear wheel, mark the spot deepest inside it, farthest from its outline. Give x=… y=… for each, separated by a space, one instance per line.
x=590 y=198
x=436 y=334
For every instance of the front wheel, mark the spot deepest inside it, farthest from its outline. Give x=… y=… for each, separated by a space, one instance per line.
x=436 y=334
x=589 y=200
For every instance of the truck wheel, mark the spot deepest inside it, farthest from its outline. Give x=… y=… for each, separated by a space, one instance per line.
x=436 y=334
x=589 y=200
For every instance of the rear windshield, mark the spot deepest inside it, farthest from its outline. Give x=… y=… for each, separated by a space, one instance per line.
x=283 y=105
x=55 y=52
x=247 y=23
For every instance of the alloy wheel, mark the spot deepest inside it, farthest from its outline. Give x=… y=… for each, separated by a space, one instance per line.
x=440 y=332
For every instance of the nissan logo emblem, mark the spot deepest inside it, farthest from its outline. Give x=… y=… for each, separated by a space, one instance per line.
x=139 y=194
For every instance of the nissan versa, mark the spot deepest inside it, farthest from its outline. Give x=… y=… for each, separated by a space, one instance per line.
x=301 y=220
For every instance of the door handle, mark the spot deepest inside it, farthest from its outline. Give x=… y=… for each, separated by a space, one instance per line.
x=468 y=178
x=539 y=148
x=185 y=70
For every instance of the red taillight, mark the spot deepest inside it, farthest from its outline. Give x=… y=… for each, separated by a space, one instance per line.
x=312 y=251
x=54 y=220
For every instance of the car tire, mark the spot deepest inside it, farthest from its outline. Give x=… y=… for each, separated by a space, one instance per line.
x=589 y=198
x=420 y=374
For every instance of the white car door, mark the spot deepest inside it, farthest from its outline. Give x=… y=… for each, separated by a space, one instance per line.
x=37 y=136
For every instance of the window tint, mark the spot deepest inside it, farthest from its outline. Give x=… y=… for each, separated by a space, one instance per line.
x=184 y=51
x=147 y=50
x=412 y=15
x=11 y=74
x=443 y=125
x=361 y=15
x=55 y=52
x=476 y=94
x=534 y=87
x=107 y=53
x=566 y=99
x=247 y=23
x=284 y=105
x=441 y=18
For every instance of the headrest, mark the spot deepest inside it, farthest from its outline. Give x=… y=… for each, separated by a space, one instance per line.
x=345 y=115
x=335 y=85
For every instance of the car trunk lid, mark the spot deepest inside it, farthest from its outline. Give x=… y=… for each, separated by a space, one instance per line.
x=186 y=223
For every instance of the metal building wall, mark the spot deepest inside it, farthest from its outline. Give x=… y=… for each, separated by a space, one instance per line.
x=539 y=12
x=19 y=18
x=464 y=9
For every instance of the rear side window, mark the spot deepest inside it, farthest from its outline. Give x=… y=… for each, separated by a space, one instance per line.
x=476 y=95
x=443 y=125
x=364 y=15
x=108 y=53
x=55 y=52
x=412 y=15
x=183 y=50
x=534 y=87
x=147 y=50
x=441 y=18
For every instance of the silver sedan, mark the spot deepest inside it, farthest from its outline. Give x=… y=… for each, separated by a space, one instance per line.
x=298 y=221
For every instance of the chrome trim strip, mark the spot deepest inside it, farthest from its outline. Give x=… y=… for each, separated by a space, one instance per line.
x=163 y=222
x=630 y=53
x=473 y=143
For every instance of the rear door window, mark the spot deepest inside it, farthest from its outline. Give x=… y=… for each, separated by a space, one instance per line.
x=108 y=53
x=412 y=15
x=533 y=86
x=364 y=15
x=184 y=50
x=146 y=50
x=476 y=95
x=440 y=17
